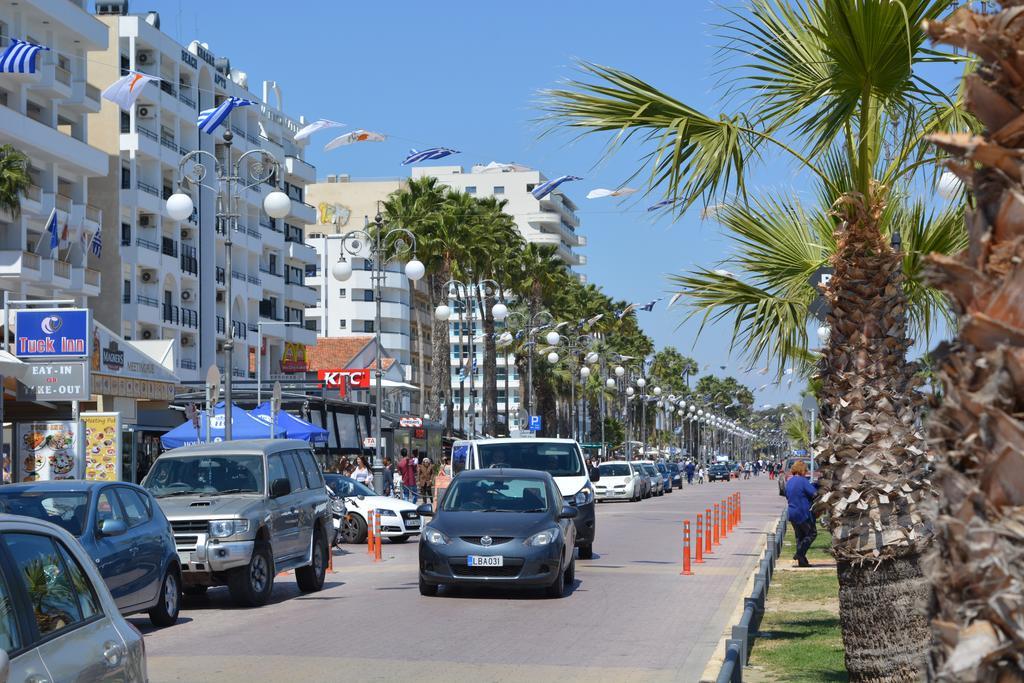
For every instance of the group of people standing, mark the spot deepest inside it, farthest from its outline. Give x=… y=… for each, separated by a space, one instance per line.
x=412 y=477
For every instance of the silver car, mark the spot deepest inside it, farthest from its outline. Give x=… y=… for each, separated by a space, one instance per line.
x=60 y=621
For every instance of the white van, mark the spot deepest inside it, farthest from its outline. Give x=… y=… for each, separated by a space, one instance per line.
x=561 y=458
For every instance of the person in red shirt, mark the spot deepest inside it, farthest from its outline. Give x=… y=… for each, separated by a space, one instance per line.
x=407 y=469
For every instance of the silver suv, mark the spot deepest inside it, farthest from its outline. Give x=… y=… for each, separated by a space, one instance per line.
x=243 y=511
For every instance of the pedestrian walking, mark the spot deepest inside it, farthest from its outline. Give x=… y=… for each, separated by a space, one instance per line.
x=690 y=469
x=425 y=479
x=701 y=475
x=389 y=477
x=362 y=472
x=407 y=468
x=800 y=494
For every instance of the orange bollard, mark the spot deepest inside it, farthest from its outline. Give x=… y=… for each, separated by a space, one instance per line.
x=700 y=543
x=732 y=514
x=369 y=532
x=739 y=507
x=686 y=550
x=707 y=531
x=718 y=527
x=376 y=536
x=722 y=521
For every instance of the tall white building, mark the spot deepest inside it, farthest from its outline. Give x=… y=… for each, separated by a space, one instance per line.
x=167 y=279
x=45 y=116
x=551 y=220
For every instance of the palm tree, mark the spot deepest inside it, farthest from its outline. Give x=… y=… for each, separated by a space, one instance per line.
x=836 y=87
x=14 y=179
x=977 y=431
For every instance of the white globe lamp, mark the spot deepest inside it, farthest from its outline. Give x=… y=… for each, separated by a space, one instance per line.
x=179 y=206
x=592 y=358
x=610 y=383
x=342 y=270
x=442 y=312
x=499 y=311
x=657 y=391
x=630 y=391
x=949 y=185
x=415 y=269
x=619 y=371
x=584 y=372
x=277 y=204
x=641 y=382
x=552 y=357
x=553 y=338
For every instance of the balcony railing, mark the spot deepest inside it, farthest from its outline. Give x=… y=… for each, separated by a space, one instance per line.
x=92 y=92
x=189 y=264
x=146 y=187
x=147 y=301
x=169 y=247
x=92 y=277
x=169 y=143
x=268 y=270
x=62 y=269
x=168 y=88
x=186 y=99
x=29 y=260
x=147 y=133
x=190 y=317
x=146 y=244
x=187 y=364
x=238 y=275
x=238 y=329
x=64 y=203
x=93 y=214
x=34 y=193
x=293 y=234
x=62 y=74
x=252 y=279
x=220 y=275
x=220 y=324
x=171 y=314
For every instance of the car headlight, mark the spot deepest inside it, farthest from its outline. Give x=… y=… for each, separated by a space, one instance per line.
x=222 y=528
x=542 y=538
x=585 y=495
x=435 y=537
x=388 y=513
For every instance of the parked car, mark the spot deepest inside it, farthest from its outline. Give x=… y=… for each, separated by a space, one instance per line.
x=675 y=469
x=666 y=477
x=654 y=476
x=398 y=518
x=121 y=528
x=561 y=458
x=785 y=475
x=59 y=622
x=718 y=472
x=244 y=511
x=620 y=480
x=499 y=526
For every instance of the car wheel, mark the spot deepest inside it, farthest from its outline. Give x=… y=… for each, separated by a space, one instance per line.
x=427 y=589
x=587 y=551
x=557 y=587
x=353 y=528
x=570 y=572
x=165 y=611
x=310 y=578
x=251 y=585
x=195 y=591
x=400 y=539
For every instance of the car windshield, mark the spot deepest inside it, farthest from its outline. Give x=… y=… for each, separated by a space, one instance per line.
x=205 y=475
x=496 y=495
x=650 y=470
x=557 y=459
x=66 y=509
x=614 y=470
x=349 y=488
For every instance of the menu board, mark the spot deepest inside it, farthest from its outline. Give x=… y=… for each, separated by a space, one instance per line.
x=46 y=450
x=102 y=446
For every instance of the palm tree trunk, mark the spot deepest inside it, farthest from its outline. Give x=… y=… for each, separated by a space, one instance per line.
x=977 y=432
x=490 y=377
x=872 y=458
x=440 y=364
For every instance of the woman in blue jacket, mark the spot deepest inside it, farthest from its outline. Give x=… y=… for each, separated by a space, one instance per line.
x=800 y=494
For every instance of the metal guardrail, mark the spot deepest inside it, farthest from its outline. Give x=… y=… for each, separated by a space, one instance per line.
x=737 y=648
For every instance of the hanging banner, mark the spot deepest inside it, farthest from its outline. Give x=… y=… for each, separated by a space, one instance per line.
x=46 y=451
x=102 y=446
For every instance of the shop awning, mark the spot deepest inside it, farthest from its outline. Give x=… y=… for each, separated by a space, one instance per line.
x=11 y=366
x=294 y=427
x=243 y=426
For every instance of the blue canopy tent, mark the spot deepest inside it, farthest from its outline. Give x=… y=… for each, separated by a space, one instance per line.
x=294 y=427
x=243 y=426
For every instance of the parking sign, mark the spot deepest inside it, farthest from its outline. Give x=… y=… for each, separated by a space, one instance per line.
x=535 y=423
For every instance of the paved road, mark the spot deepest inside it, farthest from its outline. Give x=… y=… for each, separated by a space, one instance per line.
x=629 y=617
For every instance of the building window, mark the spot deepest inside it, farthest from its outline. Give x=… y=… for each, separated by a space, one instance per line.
x=530 y=186
x=470 y=189
x=367 y=295
x=342 y=292
x=499 y=189
x=368 y=326
x=342 y=324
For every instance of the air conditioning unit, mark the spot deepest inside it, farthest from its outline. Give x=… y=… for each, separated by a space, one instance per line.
x=147 y=334
x=145 y=57
x=147 y=220
x=148 y=276
x=186 y=234
x=186 y=340
x=145 y=111
x=220 y=297
x=186 y=295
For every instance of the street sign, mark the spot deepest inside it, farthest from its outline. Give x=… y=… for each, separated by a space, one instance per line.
x=535 y=423
x=55 y=381
x=52 y=333
x=410 y=422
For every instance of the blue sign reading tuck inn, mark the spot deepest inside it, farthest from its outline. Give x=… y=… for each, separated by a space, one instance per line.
x=51 y=333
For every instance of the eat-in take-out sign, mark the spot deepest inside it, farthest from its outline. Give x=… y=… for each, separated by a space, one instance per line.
x=354 y=378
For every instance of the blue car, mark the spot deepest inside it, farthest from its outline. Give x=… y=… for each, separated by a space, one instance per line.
x=666 y=476
x=122 y=529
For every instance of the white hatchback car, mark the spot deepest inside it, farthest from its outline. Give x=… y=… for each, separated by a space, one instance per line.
x=60 y=622
x=398 y=518
x=620 y=480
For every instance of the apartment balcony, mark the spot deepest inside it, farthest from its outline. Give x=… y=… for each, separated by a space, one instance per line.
x=21 y=264
x=543 y=218
x=581 y=241
x=85 y=280
x=142 y=252
x=271 y=279
x=300 y=334
x=53 y=80
x=144 y=140
x=299 y=168
x=554 y=202
x=366 y=310
x=32 y=201
x=93 y=216
x=85 y=98
x=302 y=212
x=302 y=252
x=143 y=196
x=307 y=296
x=45 y=144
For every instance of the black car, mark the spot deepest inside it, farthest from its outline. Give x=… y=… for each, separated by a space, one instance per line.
x=718 y=473
x=677 y=475
x=499 y=526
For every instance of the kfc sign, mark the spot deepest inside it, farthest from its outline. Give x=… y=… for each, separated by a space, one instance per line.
x=356 y=378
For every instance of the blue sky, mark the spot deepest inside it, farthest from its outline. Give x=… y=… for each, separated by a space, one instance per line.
x=467 y=75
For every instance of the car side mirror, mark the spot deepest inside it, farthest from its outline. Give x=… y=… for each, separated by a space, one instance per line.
x=425 y=510
x=595 y=474
x=111 y=527
x=280 y=487
x=568 y=512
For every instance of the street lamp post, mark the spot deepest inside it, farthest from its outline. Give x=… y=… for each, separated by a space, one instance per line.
x=259 y=352
x=259 y=166
x=531 y=324
x=383 y=246
x=573 y=342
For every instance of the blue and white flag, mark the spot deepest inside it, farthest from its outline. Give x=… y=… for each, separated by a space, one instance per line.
x=428 y=155
x=662 y=204
x=209 y=119
x=20 y=57
x=649 y=306
x=51 y=227
x=97 y=243
x=546 y=188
